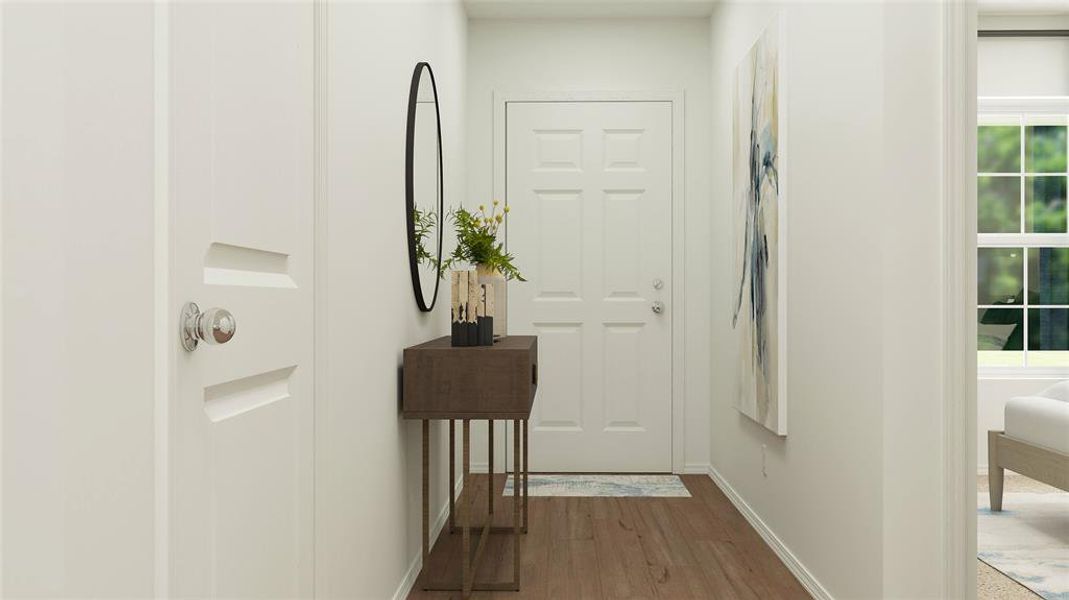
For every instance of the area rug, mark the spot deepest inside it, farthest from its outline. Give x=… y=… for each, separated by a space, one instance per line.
x=645 y=486
x=1028 y=540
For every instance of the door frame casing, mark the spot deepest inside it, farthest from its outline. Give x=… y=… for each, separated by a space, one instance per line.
x=959 y=298
x=676 y=99
x=166 y=320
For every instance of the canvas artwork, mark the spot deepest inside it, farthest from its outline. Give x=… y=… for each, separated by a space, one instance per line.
x=759 y=220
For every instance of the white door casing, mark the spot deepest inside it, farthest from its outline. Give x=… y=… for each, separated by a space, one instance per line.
x=240 y=123
x=590 y=189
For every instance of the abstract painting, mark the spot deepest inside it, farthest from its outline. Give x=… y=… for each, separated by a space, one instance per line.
x=759 y=232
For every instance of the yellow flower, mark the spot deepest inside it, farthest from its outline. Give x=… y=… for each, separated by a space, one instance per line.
x=496 y=203
x=507 y=208
x=482 y=207
x=498 y=218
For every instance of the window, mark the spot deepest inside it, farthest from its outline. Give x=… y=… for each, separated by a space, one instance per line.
x=1023 y=241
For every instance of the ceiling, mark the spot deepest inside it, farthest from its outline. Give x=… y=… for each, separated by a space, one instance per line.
x=1023 y=7
x=581 y=9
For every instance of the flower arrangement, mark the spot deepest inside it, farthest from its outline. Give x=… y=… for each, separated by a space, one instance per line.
x=477 y=241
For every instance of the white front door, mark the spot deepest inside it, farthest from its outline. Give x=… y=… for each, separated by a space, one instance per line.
x=240 y=112
x=590 y=190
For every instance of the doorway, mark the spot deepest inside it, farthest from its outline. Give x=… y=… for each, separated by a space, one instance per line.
x=590 y=181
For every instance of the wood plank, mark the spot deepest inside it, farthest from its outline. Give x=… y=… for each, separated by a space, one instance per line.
x=658 y=535
x=679 y=583
x=622 y=566
x=745 y=580
x=572 y=570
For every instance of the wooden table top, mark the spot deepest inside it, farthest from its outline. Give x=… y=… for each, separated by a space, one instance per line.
x=470 y=382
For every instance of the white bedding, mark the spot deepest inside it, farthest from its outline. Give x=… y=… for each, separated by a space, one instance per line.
x=1042 y=420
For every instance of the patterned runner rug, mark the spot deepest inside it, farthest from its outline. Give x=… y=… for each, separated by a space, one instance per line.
x=648 y=486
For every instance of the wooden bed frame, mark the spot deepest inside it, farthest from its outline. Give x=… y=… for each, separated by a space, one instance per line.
x=1042 y=464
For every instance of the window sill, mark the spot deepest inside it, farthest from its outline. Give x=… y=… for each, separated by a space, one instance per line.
x=1022 y=373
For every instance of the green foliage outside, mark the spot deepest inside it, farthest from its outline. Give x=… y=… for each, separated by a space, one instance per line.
x=998 y=204
x=999 y=151
x=1001 y=271
x=1001 y=276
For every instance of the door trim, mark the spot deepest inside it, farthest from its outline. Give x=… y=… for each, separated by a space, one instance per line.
x=320 y=212
x=165 y=318
x=958 y=337
x=676 y=99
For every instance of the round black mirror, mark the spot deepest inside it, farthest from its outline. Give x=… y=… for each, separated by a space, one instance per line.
x=423 y=187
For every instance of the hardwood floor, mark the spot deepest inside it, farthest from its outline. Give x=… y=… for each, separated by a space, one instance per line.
x=698 y=547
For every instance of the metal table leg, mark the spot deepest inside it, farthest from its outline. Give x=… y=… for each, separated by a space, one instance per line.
x=465 y=513
x=516 y=504
x=469 y=562
x=526 y=434
x=490 y=495
x=426 y=490
x=452 y=471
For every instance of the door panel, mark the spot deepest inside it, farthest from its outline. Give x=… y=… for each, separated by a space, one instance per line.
x=589 y=186
x=241 y=115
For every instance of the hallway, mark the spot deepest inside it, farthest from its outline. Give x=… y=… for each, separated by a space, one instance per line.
x=698 y=547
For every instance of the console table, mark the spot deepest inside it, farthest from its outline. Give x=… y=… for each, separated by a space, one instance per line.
x=498 y=382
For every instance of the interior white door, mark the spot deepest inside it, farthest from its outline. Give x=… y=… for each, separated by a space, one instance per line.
x=590 y=190
x=240 y=112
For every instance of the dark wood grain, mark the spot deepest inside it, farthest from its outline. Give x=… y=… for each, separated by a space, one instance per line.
x=500 y=381
x=617 y=548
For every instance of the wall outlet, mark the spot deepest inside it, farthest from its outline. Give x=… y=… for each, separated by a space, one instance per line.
x=764 y=460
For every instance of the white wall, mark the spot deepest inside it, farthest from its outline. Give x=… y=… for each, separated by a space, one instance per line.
x=609 y=55
x=368 y=459
x=78 y=323
x=854 y=490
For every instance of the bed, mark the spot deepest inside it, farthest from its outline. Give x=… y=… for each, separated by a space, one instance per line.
x=1035 y=442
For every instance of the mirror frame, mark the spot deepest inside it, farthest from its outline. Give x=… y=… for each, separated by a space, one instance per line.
x=410 y=200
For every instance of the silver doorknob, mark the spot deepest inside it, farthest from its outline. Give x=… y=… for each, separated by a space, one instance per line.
x=213 y=326
x=658 y=307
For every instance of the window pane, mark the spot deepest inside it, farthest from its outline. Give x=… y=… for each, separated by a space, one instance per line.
x=998 y=149
x=999 y=337
x=998 y=208
x=1044 y=202
x=1045 y=149
x=1048 y=337
x=1000 y=275
x=1048 y=275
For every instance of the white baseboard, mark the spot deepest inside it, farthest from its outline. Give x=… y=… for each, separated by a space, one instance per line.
x=695 y=469
x=416 y=564
x=805 y=577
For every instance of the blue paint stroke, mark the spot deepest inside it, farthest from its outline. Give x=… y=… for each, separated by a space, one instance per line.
x=762 y=168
